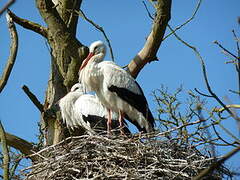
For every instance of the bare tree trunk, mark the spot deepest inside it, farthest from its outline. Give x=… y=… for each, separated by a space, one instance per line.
x=67 y=54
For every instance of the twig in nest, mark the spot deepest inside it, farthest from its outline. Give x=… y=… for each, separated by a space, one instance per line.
x=99 y=157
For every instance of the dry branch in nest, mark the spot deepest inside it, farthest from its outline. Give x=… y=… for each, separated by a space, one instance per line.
x=101 y=157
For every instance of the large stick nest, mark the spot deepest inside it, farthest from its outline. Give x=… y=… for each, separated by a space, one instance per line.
x=101 y=157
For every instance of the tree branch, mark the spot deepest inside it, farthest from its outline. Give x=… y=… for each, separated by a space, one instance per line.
x=13 y=53
x=29 y=24
x=205 y=74
x=236 y=106
x=227 y=51
x=149 y=51
x=185 y=23
x=81 y=13
x=6 y=6
x=33 y=98
x=63 y=42
x=238 y=63
x=5 y=152
x=216 y=164
x=22 y=145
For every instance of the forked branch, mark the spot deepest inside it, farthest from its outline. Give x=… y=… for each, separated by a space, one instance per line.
x=29 y=24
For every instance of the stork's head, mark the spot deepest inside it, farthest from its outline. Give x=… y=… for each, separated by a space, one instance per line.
x=97 y=49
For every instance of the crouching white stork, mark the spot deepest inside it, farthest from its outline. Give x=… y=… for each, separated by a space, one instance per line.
x=84 y=111
x=116 y=89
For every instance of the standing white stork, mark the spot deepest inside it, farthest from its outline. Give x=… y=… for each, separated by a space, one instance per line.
x=80 y=110
x=115 y=88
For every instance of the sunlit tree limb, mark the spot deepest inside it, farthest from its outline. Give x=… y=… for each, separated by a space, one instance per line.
x=28 y=24
x=13 y=53
x=235 y=106
x=149 y=51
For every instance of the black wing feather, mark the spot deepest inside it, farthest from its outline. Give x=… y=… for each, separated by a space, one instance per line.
x=138 y=101
x=98 y=123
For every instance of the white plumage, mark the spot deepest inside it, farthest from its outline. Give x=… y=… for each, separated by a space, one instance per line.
x=115 y=88
x=80 y=110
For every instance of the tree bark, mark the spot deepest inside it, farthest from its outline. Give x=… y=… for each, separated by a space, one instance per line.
x=67 y=53
x=149 y=51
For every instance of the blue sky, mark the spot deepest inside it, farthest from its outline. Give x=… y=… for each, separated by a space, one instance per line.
x=127 y=25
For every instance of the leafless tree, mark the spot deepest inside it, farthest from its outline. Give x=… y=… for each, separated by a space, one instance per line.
x=67 y=53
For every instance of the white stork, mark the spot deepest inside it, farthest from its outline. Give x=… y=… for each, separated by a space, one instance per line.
x=115 y=88
x=80 y=110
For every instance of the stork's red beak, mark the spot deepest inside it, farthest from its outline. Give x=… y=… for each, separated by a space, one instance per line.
x=84 y=63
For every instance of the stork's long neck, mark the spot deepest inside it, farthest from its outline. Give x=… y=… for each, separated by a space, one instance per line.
x=90 y=74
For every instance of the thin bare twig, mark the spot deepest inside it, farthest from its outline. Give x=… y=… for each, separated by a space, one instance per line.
x=81 y=13
x=238 y=63
x=13 y=53
x=202 y=93
x=185 y=23
x=223 y=140
x=6 y=6
x=33 y=98
x=205 y=74
x=235 y=92
x=223 y=48
x=149 y=14
x=5 y=152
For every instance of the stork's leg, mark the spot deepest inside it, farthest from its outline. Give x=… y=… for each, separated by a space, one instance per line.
x=109 y=122
x=121 y=114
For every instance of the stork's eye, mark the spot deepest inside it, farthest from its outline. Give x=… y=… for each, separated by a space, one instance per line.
x=95 y=48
